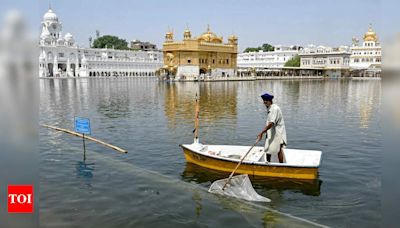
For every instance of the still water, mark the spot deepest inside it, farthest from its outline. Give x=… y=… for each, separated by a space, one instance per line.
x=153 y=185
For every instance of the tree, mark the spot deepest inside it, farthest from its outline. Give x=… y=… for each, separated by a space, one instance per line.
x=293 y=62
x=265 y=47
x=252 y=49
x=268 y=47
x=110 y=41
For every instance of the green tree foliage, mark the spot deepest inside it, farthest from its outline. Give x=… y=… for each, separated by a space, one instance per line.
x=265 y=47
x=268 y=47
x=251 y=49
x=293 y=62
x=109 y=42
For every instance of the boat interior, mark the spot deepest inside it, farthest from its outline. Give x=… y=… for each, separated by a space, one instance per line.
x=292 y=157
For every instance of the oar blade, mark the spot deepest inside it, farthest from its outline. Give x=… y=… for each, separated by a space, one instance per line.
x=239 y=187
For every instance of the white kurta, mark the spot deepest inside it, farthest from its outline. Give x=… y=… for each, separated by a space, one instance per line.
x=277 y=134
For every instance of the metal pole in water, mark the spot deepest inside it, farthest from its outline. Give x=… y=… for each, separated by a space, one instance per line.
x=84 y=147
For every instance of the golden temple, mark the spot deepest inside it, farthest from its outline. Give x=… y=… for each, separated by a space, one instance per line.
x=205 y=55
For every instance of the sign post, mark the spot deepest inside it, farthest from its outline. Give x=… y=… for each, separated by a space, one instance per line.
x=84 y=147
x=82 y=125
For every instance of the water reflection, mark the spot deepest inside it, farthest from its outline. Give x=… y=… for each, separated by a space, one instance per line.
x=113 y=101
x=84 y=172
x=365 y=95
x=197 y=200
x=218 y=102
x=204 y=176
x=339 y=117
x=114 y=106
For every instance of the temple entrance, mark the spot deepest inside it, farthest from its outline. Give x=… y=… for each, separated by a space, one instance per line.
x=203 y=71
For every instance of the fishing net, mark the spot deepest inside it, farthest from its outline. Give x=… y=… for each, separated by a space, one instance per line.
x=239 y=186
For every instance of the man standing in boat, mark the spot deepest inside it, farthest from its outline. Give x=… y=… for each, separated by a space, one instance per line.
x=275 y=130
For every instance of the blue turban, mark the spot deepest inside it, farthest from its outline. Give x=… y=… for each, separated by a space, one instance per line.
x=267 y=97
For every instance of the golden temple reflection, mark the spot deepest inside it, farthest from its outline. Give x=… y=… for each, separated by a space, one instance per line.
x=218 y=101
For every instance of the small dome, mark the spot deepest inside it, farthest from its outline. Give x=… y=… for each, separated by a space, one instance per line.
x=187 y=34
x=233 y=37
x=210 y=37
x=370 y=35
x=68 y=37
x=50 y=16
x=169 y=36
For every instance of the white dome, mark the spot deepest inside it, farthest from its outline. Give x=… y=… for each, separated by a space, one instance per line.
x=50 y=16
x=68 y=37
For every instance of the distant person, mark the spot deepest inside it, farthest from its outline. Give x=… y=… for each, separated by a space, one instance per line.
x=274 y=129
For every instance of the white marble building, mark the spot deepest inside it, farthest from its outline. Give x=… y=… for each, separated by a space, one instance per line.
x=325 y=57
x=334 y=61
x=60 y=56
x=271 y=59
x=367 y=55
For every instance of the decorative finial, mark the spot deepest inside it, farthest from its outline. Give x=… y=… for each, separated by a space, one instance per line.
x=187 y=26
x=208 y=28
x=49 y=5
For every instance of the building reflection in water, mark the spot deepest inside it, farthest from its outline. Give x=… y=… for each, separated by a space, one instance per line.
x=368 y=95
x=113 y=97
x=218 y=103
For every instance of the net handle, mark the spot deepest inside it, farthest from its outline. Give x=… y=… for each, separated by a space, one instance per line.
x=237 y=166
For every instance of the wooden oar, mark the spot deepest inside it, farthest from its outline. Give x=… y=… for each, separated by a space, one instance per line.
x=241 y=160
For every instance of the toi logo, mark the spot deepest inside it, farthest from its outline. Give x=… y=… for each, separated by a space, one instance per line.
x=20 y=198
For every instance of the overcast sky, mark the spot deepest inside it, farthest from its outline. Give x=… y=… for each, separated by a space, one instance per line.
x=329 y=22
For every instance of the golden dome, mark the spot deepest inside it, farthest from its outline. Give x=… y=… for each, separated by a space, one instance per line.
x=209 y=36
x=370 y=35
x=233 y=37
x=169 y=36
x=187 y=34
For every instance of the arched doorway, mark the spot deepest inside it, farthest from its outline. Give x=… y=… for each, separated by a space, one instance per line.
x=73 y=69
x=62 y=67
x=50 y=67
x=203 y=71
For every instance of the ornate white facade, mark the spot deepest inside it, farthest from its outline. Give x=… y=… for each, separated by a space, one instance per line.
x=368 y=54
x=334 y=61
x=325 y=57
x=271 y=59
x=60 y=56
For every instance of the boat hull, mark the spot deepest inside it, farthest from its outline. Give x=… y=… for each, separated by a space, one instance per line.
x=251 y=169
